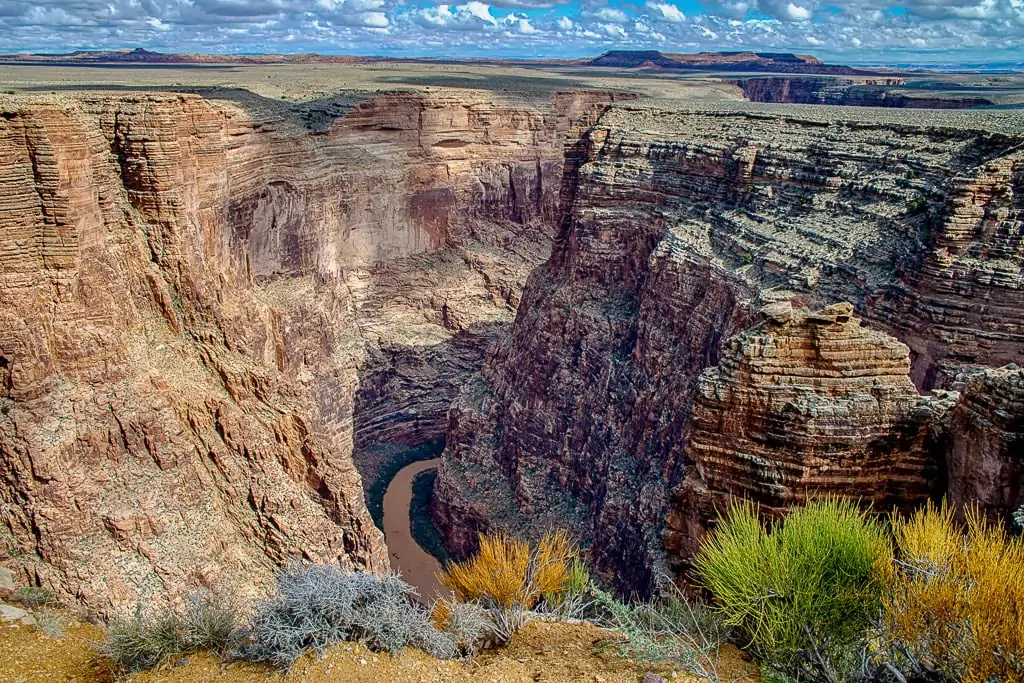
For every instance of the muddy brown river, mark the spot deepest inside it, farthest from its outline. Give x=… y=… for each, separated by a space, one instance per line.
x=418 y=567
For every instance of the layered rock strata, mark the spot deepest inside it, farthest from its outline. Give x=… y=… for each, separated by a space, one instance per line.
x=678 y=228
x=986 y=458
x=862 y=92
x=197 y=295
x=805 y=404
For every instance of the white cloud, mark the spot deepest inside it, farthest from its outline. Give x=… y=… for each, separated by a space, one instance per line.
x=965 y=30
x=667 y=11
x=468 y=17
x=795 y=13
x=614 y=30
x=520 y=24
x=611 y=14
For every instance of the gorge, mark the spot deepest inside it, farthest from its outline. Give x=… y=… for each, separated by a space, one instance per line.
x=223 y=317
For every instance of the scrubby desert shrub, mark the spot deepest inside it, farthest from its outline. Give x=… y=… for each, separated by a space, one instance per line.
x=316 y=606
x=207 y=621
x=675 y=630
x=571 y=602
x=508 y=572
x=51 y=622
x=34 y=596
x=510 y=578
x=805 y=592
x=956 y=602
x=469 y=624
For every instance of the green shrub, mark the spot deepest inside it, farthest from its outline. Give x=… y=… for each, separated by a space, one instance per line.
x=672 y=630
x=804 y=593
x=207 y=622
x=34 y=596
x=916 y=206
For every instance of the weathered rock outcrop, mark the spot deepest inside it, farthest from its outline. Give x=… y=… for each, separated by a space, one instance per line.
x=986 y=458
x=807 y=404
x=192 y=292
x=678 y=228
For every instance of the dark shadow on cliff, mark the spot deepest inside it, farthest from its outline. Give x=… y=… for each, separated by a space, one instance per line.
x=401 y=407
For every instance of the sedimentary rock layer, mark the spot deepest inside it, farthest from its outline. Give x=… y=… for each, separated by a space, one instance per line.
x=986 y=459
x=192 y=293
x=678 y=228
x=861 y=92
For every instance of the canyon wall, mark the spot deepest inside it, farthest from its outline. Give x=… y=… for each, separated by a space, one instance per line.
x=986 y=458
x=199 y=299
x=859 y=92
x=678 y=228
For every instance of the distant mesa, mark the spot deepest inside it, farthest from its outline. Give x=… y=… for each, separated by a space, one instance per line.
x=775 y=62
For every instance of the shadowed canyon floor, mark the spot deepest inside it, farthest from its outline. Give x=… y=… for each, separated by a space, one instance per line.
x=418 y=567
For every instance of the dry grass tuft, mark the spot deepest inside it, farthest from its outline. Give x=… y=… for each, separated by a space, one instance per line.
x=498 y=573
x=509 y=574
x=508 y=579
x=956 y=602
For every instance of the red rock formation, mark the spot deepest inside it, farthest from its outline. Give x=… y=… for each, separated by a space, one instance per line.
x=806 y=404
x=190 y=292
x=986 y=460
x=965 y=299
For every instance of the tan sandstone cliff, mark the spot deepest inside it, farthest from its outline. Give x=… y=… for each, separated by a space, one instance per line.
x=808 y=403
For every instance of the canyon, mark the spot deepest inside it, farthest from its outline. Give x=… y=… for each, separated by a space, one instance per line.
x=207 y=311
x=861 y=92
x=222 y=315
x=629 y=402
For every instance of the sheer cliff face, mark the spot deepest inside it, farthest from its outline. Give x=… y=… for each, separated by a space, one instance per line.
x=678 y=228
x=191 y=296
x=986 y=459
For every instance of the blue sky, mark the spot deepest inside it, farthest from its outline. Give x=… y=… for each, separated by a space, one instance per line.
x=858 y=31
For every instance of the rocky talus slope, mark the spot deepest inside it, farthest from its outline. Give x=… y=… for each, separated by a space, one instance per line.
x=205 y=303
x=678 y=228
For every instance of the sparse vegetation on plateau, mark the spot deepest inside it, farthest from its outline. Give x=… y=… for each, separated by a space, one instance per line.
x=826 y=594
x=34 y=596
x=673 y=630
x=509 y=578
x=207 y=622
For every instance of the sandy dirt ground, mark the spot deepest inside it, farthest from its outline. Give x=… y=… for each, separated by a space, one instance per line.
x=557 y=653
